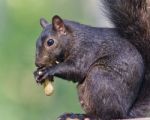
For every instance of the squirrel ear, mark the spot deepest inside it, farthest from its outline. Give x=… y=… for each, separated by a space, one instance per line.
x=58 y=24
x=43 y=22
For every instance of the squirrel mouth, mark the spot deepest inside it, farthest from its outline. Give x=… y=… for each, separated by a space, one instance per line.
x=48 y=64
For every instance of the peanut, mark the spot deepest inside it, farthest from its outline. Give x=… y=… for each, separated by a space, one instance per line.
x=48 y=87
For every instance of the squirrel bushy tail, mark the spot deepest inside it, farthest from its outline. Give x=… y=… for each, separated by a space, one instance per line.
x=132 y=21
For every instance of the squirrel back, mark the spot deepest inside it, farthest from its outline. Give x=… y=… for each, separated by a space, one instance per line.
x=132 y=21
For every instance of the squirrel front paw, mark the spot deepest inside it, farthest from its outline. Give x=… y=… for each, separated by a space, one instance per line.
x=41 y=74
x=37 y=75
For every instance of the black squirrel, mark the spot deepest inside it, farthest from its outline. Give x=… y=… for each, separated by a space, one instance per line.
x=110 y=65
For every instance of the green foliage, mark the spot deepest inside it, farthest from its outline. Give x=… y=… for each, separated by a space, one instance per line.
x=21 y=98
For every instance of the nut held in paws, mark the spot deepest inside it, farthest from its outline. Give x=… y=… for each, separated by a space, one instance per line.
x=48 y=87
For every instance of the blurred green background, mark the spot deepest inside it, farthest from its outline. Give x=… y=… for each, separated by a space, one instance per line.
x=20 y=97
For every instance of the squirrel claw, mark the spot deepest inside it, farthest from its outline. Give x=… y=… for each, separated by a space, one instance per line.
x=71 y=116
x=41 y=74
x=38 y=75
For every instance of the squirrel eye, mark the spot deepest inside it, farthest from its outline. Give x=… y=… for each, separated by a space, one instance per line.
x=50 y=42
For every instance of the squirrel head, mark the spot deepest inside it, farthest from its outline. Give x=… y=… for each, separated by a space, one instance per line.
x=53 y=43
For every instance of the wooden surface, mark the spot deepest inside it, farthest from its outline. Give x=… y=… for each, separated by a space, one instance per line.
x=119 y=119
x=137 y=119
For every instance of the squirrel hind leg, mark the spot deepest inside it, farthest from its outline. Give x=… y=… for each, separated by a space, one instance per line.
x=72 y=116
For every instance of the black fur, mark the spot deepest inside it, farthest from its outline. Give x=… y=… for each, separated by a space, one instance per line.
x=105 y=62
x=131 y=18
